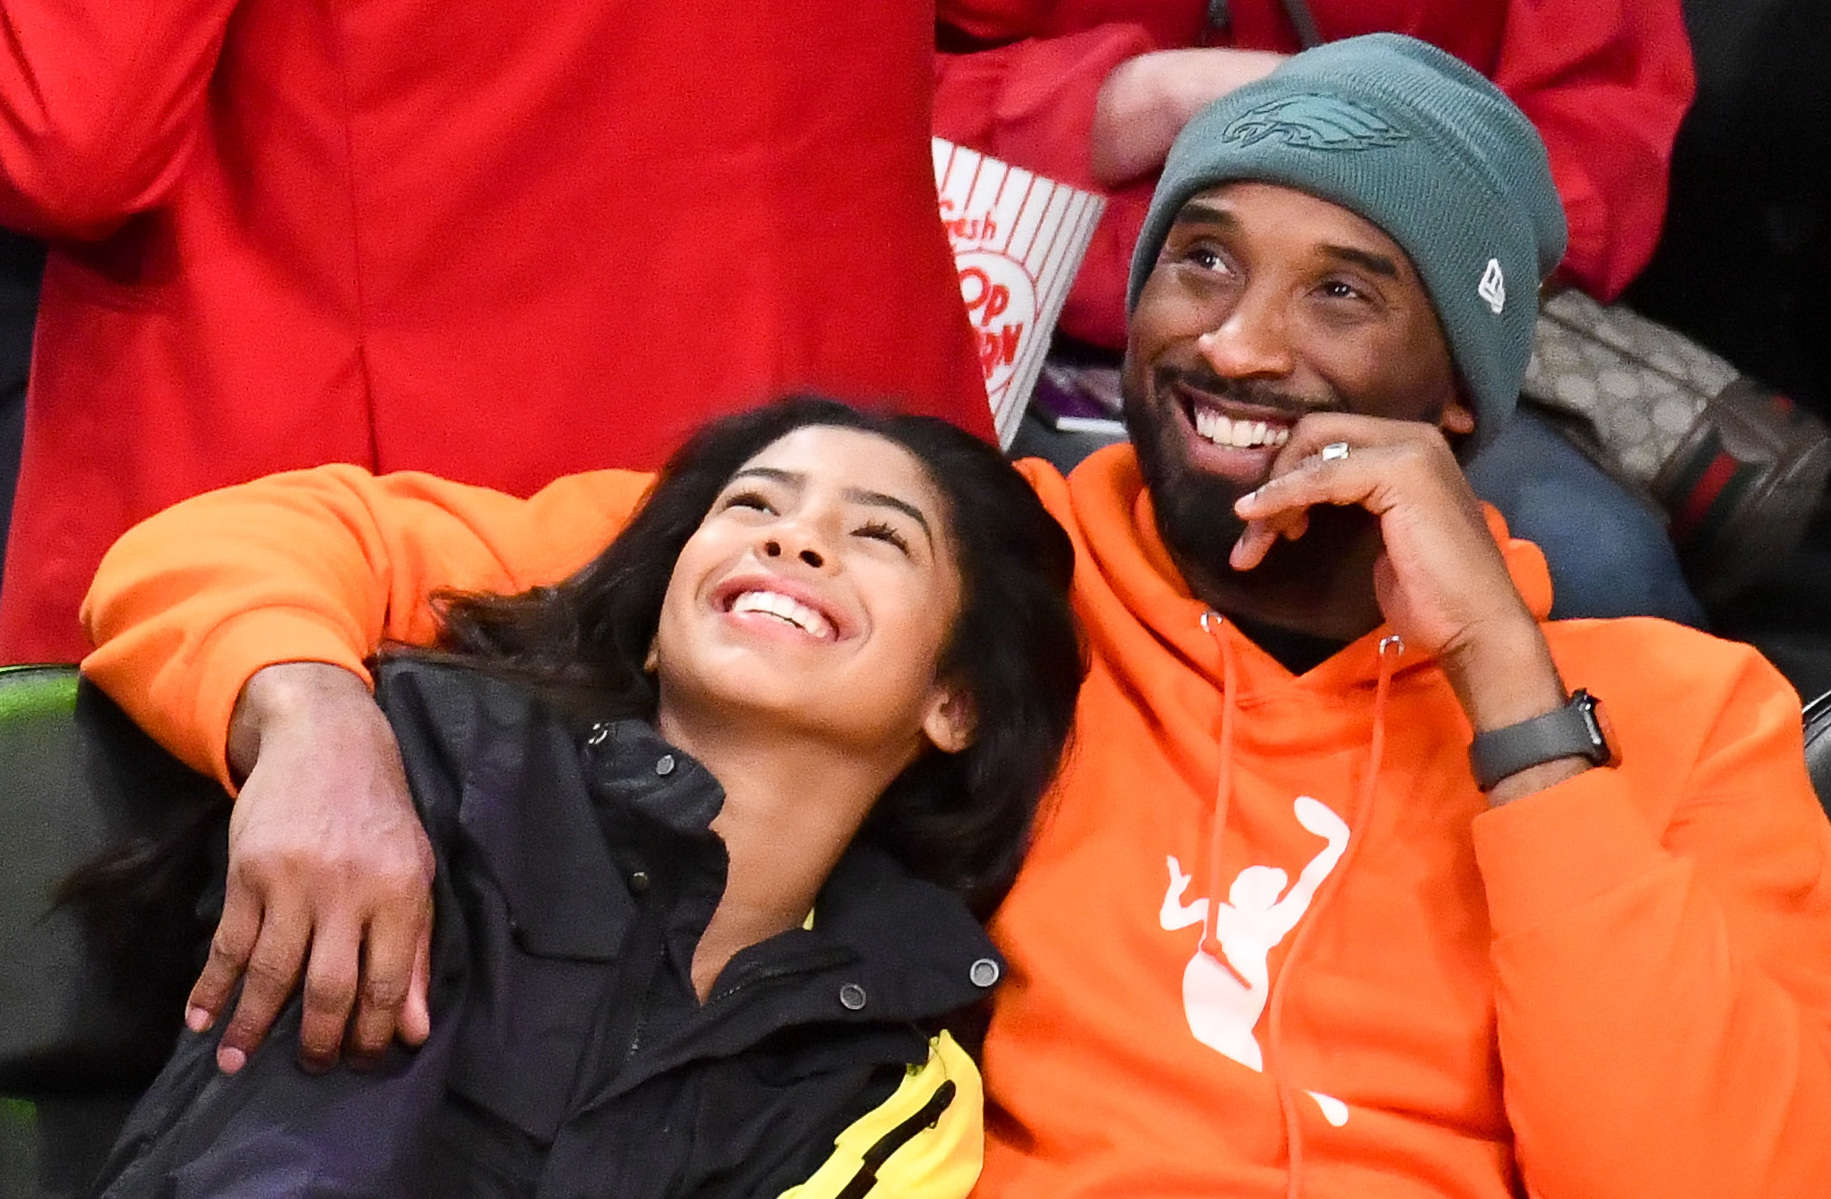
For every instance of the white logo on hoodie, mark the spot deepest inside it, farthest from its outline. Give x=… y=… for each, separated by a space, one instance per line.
x=1223 y=1000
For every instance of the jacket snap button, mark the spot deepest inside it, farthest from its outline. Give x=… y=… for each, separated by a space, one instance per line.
x=664 y=765
x=599 y=732
x=638 y=882
x=984 y=972
x=851 y=997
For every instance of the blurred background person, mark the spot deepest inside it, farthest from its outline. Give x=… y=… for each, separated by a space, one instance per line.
x=499 y=244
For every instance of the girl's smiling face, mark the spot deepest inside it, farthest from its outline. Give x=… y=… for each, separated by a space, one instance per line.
x=818 y=596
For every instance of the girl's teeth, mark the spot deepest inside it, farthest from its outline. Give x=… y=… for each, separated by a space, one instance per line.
x=784 y=608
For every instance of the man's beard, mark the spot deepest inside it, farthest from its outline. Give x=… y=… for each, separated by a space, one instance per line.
x=1195 y=515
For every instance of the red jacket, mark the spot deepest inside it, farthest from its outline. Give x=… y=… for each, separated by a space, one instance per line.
x=498 y=241
x=1606 y=84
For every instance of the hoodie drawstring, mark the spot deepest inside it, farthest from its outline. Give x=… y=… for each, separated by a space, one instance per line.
x=1217 y=832
x=1391 y=648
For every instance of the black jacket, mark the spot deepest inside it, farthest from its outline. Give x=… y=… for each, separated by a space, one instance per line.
x=569 y=1055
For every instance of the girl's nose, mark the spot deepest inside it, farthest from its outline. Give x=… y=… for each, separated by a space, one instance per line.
x=779 y=547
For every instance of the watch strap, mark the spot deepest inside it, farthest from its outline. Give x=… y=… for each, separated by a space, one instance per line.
x=1573 y=730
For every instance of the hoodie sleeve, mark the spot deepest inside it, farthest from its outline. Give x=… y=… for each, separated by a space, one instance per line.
x=315 y=566
x=1663 y=962
x=100 y=104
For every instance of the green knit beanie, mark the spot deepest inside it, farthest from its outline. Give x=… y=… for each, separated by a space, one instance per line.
x=1424 y=147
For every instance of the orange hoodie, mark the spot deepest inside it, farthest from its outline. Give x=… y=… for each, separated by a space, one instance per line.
x=1619 y=987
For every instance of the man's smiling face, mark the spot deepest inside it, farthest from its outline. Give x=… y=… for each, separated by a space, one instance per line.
x=1267 y=303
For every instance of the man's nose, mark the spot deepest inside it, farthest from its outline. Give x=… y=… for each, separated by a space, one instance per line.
x=1253 y=341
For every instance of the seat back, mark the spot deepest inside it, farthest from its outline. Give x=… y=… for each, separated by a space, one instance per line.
x=92 y=981
x=1818 y=747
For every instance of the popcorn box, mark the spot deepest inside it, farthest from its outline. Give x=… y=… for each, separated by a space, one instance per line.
x=1018 y=239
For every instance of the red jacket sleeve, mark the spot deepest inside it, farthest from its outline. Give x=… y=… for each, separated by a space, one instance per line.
x=1663 y=963
x=1606 y=85
x=100 y=104
x=315 y=566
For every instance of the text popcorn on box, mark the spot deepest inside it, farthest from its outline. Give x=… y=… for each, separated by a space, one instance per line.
x=1018 y=239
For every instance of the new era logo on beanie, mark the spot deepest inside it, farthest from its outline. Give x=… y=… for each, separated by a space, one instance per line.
x=1420 y=144
x=1493 y=287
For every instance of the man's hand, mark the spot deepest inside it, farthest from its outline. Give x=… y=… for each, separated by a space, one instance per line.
x=1441 y=582
x=1145 y=102
x=327 y=858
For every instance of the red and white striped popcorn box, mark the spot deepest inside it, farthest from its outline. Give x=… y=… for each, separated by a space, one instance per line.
x=1018 y=240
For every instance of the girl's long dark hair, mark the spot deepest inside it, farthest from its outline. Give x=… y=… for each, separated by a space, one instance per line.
x=961 y=819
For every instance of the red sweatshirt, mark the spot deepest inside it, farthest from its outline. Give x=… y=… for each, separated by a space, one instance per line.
x=1616 y=988
x=1606 y=85
x=500 y=241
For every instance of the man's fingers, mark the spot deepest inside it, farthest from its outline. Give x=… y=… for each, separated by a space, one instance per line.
x=331 y=980
x=1284 y=499
x=230 y=948
x=1256 y=540
x=388 y=972
x=416 y=1017
x=272 y=970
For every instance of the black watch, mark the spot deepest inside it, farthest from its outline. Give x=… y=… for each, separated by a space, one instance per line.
x=1576 y=730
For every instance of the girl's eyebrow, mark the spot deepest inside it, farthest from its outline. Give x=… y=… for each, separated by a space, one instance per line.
x=856 y=495
x=878 y=499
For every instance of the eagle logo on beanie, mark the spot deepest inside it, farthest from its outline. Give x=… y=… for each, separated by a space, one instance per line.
x=1314 y=122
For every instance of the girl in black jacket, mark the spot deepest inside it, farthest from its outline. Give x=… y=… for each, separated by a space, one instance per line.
x=715 y=819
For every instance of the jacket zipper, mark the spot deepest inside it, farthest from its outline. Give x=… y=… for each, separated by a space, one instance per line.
x=926 y=1117
x=641 y=1025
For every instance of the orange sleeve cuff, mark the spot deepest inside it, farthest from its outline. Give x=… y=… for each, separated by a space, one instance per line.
x=1550 y=852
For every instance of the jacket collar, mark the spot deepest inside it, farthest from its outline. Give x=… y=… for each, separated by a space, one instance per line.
x=914 y=942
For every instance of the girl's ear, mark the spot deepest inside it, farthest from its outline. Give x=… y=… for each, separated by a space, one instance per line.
x=951 y=719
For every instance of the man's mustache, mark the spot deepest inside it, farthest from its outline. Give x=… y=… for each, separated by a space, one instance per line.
x=1258 y=393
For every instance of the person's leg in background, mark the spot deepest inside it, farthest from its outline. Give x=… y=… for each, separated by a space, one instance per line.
x=1608 y=551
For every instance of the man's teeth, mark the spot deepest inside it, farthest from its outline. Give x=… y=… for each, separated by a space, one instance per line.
x=1245 y=434
x=774 y=603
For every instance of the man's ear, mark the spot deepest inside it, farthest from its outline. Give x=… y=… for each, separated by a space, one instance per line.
x=654 y=657
x=1458 y=418
x=951 y=719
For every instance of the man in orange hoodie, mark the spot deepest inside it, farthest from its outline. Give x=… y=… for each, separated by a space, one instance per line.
x=1345 y=891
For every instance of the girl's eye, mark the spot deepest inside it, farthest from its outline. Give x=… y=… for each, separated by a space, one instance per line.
x=1335 y=289
x=879 y=531
x=748 y=499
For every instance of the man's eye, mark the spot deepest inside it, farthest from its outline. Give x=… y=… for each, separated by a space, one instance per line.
x=877 y=530
x=1204 y=257
x=1336 y=289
